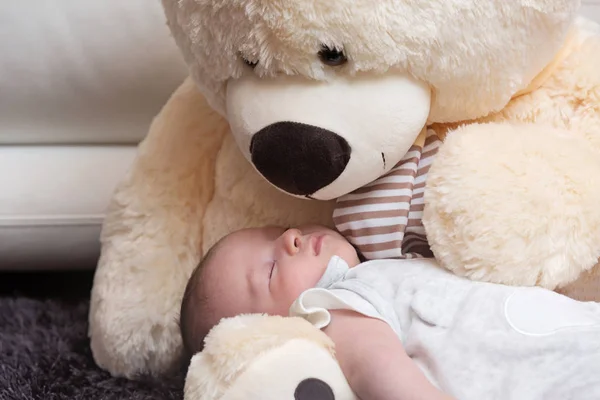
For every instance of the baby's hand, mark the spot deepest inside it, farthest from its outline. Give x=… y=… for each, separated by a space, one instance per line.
x=374 y=361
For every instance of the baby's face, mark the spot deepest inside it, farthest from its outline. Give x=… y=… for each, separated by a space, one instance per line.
x=263 y=270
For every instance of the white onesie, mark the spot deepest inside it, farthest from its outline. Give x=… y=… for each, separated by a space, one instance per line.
x=473 y=340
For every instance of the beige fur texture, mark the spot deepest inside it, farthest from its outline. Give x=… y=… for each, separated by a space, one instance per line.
x=531 y=217
x=234 y=347
x=511 y=198
x=432 y=40
x=273 y=374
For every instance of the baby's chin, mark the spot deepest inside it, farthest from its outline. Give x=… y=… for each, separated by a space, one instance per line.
x=350 y=256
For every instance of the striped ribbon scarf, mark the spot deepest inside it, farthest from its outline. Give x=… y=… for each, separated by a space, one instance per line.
x=384 y=219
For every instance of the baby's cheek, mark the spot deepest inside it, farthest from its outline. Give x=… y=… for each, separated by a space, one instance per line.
x=292 y=289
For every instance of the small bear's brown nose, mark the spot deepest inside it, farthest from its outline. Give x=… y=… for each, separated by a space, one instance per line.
x=299 y=158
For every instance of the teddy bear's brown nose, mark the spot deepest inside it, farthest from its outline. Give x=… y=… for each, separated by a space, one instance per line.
x=299 y=158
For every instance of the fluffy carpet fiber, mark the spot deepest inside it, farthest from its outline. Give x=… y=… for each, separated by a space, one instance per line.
x=44 y=348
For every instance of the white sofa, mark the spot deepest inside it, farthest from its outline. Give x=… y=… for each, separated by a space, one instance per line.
x=80 y=82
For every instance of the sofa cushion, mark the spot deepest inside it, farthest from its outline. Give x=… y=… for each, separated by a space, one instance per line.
x=84 y=71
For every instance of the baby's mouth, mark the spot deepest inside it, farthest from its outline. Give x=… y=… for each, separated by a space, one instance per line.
x=317 y=243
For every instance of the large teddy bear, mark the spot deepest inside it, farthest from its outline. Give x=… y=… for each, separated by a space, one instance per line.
x=291 y=105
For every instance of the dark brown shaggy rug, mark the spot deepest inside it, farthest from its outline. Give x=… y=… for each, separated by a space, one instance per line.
x=44 y=348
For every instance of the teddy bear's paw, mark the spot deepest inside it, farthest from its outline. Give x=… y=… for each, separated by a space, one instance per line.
x=515 y=204
x=262 y=358
x=133 y=324
x=138 y=285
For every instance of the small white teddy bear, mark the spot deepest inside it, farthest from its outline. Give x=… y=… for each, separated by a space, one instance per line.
x=267 y=358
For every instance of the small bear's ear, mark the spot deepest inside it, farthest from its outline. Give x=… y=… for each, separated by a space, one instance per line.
x=313 y=389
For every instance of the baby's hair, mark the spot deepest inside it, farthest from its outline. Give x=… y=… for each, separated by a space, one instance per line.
x=194 y=309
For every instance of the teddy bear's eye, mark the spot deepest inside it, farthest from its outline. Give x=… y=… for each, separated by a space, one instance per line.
x=332 y=57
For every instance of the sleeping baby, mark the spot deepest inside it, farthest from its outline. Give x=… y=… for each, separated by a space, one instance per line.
x=403 y=329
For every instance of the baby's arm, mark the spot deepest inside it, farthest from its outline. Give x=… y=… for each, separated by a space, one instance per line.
x=374 y=361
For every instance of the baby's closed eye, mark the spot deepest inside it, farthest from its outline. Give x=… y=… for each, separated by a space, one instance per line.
x=271 y=271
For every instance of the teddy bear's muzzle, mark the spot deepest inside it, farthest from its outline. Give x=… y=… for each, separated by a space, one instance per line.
x=298 y=158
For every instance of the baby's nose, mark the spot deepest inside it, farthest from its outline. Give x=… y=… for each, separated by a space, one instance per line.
x=292 y=241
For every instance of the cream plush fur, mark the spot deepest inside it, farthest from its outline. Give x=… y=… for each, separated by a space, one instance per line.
x=259 y=357
x=514 y=86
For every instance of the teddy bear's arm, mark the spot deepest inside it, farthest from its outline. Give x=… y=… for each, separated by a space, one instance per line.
x=515 y=204
x=151 y=238
x=515 y=200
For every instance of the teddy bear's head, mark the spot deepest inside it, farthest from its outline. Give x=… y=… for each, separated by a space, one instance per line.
x=324 y=96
